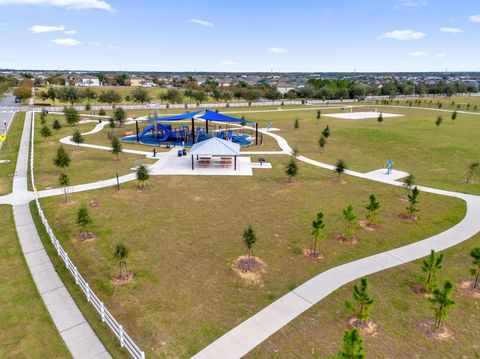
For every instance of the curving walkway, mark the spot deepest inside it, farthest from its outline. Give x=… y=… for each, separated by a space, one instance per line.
x=247 y=335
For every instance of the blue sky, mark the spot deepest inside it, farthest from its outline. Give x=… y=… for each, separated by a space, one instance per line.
x=221 y=35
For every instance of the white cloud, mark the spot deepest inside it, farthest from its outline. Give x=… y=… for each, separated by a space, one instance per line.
x=228 y=62
x=277 y=50
x=440 y=56
x=475 y=18
x=66 y=42
x=70 y=32
x=451 y=30
x=418 y=54
x=403 y=35
x=39 y=29
x=202 y=22
x=412 y=3
x=69 y=4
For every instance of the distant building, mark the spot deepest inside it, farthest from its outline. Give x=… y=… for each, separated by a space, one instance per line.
x=283 y=87
x=135 y=81
x=83 y=80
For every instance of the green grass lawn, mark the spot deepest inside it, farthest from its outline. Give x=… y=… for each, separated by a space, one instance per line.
x=10 y=152
x=460 y=103
x=184 y=232
x=318 y=332
x=437 y=157
x=26 y=329
x=87 y=165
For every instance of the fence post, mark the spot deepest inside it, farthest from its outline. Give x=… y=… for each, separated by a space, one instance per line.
x=122 y=339
x=102 y=311
x=88 y=293
x=76 y=274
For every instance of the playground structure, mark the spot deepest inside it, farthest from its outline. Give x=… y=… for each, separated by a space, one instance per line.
x=161 y=132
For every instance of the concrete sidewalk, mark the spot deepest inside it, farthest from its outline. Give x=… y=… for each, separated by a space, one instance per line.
x=77 y=334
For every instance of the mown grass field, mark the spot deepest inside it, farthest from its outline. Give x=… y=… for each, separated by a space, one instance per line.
x=87 y=165
x=10 y=152
x=185 y=232
x=436 y=157
x=318 y=332
x=26 y=329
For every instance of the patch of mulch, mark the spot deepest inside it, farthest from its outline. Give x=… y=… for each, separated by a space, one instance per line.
x=425 y=326
x=93 y=203
x=349 y=240
x=408 y=217
x=119 y=280
x=417 y=288
x=368 y=226
x=466 y=287
x=250 y=269
x=367 y=328
x=89 y=236
x=315 y=256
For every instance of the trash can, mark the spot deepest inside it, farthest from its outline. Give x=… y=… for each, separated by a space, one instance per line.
x=180 y=153
x=184 y=151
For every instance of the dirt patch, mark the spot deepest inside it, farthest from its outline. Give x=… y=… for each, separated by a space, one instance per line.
x=466 y=287
x=337 y=181
x=86 y=237
x=93 y=203
x=425 y=326
x=124 y=279
x=315 y=256
x=368 y=226
x=408 y=217
x=402 y=198
x=62 y=202
x=289 y=183
x=367 y=328
x=250 y=269
x=417 y=288
x=349 y=240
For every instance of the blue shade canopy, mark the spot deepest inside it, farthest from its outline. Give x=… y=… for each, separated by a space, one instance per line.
x=184 y=116
x=214 y=116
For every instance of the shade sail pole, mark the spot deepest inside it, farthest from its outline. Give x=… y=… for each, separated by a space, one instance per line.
x=192 y=164
x=256 y=133
x=193 y=130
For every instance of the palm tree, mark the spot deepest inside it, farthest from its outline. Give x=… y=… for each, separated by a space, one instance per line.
x=351 y=218
x=431 y=265
x=340 y=168
x=64 y=182
x=142 y=176
x=353 y=347
x=363 y=301
x=317 y=226
x=373 y=206
x=475 y=270
x=442 y=301
x=121 y=253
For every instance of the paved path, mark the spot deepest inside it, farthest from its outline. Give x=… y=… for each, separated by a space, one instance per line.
x=70 y=322
x=247 y=335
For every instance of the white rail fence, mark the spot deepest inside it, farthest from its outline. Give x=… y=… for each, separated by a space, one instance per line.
x=117 y=329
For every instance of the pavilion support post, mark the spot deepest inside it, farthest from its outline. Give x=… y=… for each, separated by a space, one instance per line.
x=136 y=125
x=256 y=133
x=192 y=164
x=206 y=125
x=235 y=164
x=193 y=130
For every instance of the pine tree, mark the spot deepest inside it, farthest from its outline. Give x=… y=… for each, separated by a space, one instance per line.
x=442 y=302
x=291 y=170
x=475 y=270
x=380 y=118
x=372 y=207
x=322 y=142
x=363 y=301
x=121 y=253
x=317 y=226
x=45 y=131
x=249 y=239
x=62 y=160
x=77 y=137
x=340 y=168
x=353 y=347
x=116 y=147
x=56 y=124
x=351 y=218
x=64 y=182
x=83 y=220
x=413 y=200
x=142 y=176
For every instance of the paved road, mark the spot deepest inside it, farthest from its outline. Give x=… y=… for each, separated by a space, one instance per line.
x=7 y=111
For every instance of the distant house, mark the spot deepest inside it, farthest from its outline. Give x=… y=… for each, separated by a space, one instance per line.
x=148 y=83
x=283 y=87
x=135 y=81
x=83 y=80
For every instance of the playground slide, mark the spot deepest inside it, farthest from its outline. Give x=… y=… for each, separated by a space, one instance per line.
x=166 y=135
x=146 y=130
